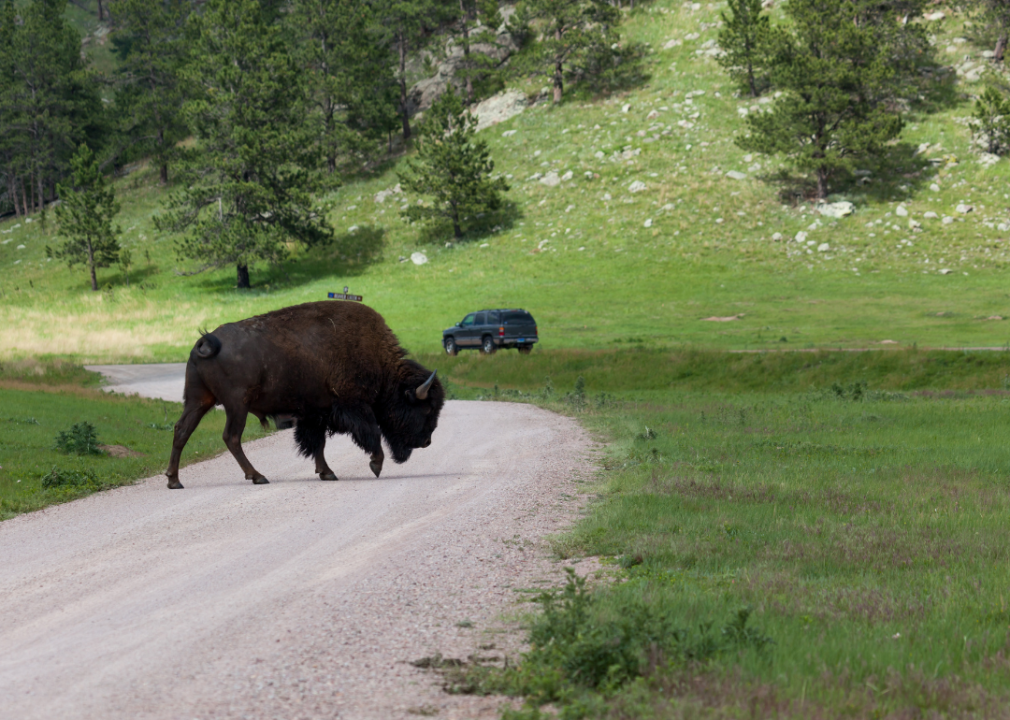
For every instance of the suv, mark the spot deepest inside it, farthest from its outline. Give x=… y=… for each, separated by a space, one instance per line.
x=490 y=330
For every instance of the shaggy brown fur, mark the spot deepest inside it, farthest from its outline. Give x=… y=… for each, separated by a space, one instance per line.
x=336 y=367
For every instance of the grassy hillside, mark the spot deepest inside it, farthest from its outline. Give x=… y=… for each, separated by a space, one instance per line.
x=598 y=265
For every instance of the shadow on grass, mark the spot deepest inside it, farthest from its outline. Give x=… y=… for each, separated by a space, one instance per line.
x=477 y=228
x=895 y=175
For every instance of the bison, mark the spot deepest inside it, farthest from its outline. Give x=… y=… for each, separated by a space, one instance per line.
x=334 y=367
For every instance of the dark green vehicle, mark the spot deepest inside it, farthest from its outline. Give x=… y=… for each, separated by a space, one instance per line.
x=489 y=330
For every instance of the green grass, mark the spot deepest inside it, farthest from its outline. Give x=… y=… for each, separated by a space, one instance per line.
x=45 y=401
x=630 y=283
x=865 y=530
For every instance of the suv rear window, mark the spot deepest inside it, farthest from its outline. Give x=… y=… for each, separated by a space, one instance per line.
x=517 y=317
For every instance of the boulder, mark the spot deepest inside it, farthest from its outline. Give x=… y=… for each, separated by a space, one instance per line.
x=418 y=258
x=551 y=179
x=836 y=209
x=637 y=186
x=499 y=108
x=736 y=175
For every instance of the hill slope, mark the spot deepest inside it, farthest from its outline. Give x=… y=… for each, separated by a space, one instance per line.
x=598 y=260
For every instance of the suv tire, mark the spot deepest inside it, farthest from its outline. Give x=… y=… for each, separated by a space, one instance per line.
x=525 y=349
x=451 y=348
x=487 y=345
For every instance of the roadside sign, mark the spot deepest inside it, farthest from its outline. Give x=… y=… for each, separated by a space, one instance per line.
x=344 y=296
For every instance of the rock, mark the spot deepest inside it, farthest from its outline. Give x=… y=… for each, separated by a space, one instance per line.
x=718 y=221
x=508 y=133
x=536 y=176
x=988 y=159
x=20 y=247
x=736 y=175
x=934 y=188
x=626 y=107
x=776 y=236
x=959 y=41
x=551 y=179
x=964 y=209
x=900 y=211
x=1003 y=227
x=692 y=36
x=418 y=258
x=647 y=223
x=823 y=247
x=380 y=197
x=599 y=155
x=403 y=259
x=671 y=44
x=914 y=224
x=801 y=236
x=653 y=114
x=606 y=197
x=567 y=176
x=588 y=175
x=988 y=54
x=637 y=186
x=930 y=215
x=569 y=208
x=839 y=209
x=934 y=16
x=499 y=108
x=484 y=245
x=947 y=219
x=946 y=271
x=352 y=229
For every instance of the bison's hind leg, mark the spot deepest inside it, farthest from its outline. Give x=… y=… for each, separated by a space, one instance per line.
x=310 y=435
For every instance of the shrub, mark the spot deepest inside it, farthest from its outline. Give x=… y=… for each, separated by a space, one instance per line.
x=81 y=439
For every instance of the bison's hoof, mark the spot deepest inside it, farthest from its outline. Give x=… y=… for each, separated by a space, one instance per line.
x=376 y=467
x=260 y=481
x=327 y=476
x=174 y=485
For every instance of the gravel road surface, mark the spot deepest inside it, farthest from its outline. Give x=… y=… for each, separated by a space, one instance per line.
x=297 y=599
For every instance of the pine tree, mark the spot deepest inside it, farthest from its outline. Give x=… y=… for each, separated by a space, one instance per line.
x=838 y=84
x=49 y=101
x=251 y=177
x=85 y=216
x=351 y=83
x=452 y=167
x=573 y=35
x=149 y=39
x=992 y=121
x=995 y=16
x=478 y=22
x=745 y=39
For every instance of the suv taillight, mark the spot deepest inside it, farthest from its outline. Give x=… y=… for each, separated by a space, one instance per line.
x=534 y=329
x=501 y=331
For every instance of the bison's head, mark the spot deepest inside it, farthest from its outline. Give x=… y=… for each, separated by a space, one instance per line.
x=411 y=414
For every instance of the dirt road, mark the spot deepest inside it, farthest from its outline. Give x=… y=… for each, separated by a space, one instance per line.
x=297 y=599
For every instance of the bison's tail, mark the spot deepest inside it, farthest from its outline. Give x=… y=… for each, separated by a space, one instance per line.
x=207 y=347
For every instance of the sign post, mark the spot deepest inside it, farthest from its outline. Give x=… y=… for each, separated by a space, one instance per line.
x=344 y=296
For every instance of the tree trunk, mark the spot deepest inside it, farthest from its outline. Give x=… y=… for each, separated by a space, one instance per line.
x=403 y=86
x=91 y=267
x=822 y=183
x=12 y=191
x=1000 y=48
x=457 y=231
x=101 y=11
x=559 y=80
x=163 y=172
x=243 y=276
x=24 y=199
x=42 y=196
x=466 y=52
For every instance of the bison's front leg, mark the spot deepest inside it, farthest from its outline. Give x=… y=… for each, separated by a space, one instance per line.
x=233 y=429
x=376 y=462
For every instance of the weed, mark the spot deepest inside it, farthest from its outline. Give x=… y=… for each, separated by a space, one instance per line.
x=81 y=439
x=57 y=478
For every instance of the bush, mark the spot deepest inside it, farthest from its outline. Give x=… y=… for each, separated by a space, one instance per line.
x=81 y=439
x=69 y=478
x=992 y=122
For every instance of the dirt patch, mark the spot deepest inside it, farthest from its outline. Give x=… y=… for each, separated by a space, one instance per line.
x=120 y=451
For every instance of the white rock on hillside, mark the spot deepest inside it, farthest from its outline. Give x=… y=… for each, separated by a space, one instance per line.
x=947 y=219
x=647 y=223
x=801 y=236
x=900 y=211
x=930 y=215
x=671 y=44
x=637 y=186
x=418 y=258
x=499 y=108
x=380 y=197
x=776 y=236
x=736 y=175
x=964 y=209
x=823 y=247
x=934 y=188
x=836 y=210
x=551 y=179
x=567 y=176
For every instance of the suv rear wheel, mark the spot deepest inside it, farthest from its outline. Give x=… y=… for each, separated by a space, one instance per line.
x=487 y=345
x=450 y=347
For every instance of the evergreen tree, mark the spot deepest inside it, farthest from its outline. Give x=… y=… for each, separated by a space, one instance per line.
x=478 y=22
x=251 y=176
x=574 y=34
x=149 y=40
x=838 y=85
x=453 y=167
x=745 y=39
x=49 y=102
x=407 y=24
x=992 y=121
x=995 y=16
x=351 y=83
x=85 y=215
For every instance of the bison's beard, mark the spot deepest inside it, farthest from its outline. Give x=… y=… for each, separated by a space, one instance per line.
x=400 y=453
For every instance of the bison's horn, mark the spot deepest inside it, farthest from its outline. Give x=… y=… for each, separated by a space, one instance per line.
x=422 y=392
